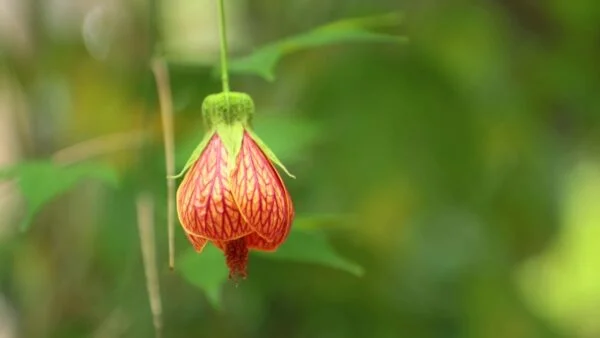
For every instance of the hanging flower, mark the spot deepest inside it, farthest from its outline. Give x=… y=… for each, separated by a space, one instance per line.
x=232 y=194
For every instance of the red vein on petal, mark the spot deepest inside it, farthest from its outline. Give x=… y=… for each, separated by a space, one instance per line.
x=205 y=201
x=259 y=192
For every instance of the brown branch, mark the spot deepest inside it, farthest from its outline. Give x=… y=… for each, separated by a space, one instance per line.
x=161 y=76
x=100 y=146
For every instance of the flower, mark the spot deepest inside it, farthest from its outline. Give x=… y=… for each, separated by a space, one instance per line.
x=232 y=194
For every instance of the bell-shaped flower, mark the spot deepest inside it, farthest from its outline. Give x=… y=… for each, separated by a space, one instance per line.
x=232 y=195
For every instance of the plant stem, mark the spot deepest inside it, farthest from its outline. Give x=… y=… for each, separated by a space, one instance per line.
x=161 y=76
x=223 y=43
x=145 y=220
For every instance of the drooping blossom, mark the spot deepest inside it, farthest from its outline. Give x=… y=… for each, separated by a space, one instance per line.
x=232 y=195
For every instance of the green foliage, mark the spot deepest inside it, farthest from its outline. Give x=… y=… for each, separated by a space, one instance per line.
x=287 y=136
x=559 y=281
x=208 y=270
x=311 y=247
x=41 y=181
x=322 y=222
x=263 y=61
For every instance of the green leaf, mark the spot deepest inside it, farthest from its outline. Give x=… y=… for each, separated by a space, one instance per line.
x=206 y=270
x=263 y=61
x=41 y=181
x=560 y=283
x=322 y=221
x=286 y=136
x=311 y=247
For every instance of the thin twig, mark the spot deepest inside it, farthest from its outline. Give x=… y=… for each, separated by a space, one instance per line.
x=100 y=146
x=161 y=76
x=115 y=325
x=145 y=215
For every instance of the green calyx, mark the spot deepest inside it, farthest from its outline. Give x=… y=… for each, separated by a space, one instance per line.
x=227 y=109
x=270 y=154
x=195 y=154
x=229 y=114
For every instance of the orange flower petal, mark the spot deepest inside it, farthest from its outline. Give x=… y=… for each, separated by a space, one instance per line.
x=260 y=194
x=257 y=242
x=198 y=242
x=205 y=202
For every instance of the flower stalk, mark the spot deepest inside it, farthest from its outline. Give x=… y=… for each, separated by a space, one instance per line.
x=231 y=193
x=223 y=46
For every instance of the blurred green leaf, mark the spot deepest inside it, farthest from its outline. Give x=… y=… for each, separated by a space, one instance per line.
x=41 y=181
x=322 y=221
x=262 y=61
x=206 y=270
x=312 y=247
x=560 y=283
x=286 y=136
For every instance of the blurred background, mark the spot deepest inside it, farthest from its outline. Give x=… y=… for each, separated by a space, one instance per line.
x=465 y=164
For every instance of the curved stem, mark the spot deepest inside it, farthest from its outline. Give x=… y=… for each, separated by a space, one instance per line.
x=223 y=43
